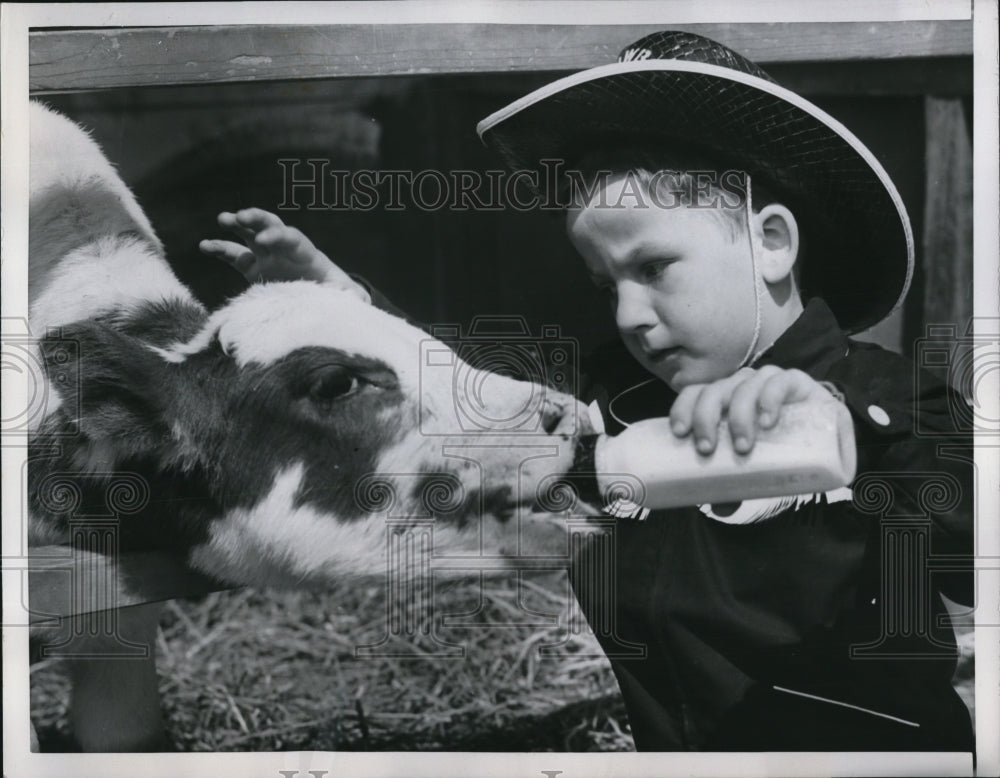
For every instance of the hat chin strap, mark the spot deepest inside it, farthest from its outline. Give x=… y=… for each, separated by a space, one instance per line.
x=751 y=356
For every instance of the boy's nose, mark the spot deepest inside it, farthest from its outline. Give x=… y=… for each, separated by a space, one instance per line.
x=633 y=312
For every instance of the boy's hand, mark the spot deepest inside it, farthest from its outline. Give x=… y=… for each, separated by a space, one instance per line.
x=273 y=251
x=752 y=398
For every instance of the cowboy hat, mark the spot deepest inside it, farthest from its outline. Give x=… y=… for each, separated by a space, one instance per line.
x=677 y=87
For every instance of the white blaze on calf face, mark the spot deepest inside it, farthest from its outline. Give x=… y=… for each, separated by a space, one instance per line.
x=270 y=321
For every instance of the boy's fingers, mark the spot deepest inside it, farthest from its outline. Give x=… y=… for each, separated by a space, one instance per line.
x=707 y=413
x=234 y=254
x=269 y=237
x=226 y=250
x=785 y=387
x=683 y=408
x=744 y=408
x=292 y=243
x=248 y=222
x=208 y=246
x=229 y=221
x=257 y=219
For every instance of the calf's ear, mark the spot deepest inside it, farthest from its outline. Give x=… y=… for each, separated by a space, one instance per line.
x=116 y=386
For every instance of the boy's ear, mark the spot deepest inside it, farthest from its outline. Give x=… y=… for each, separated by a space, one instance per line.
x=117 y=385
x=779 y=241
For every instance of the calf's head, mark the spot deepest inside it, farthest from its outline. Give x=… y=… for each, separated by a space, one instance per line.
x=286 y=436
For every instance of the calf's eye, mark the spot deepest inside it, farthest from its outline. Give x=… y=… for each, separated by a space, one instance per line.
x=332 y=385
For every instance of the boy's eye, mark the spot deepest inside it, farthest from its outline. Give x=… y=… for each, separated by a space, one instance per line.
x=651 y=271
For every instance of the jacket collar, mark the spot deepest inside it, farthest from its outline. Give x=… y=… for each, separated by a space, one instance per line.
x=812 y=343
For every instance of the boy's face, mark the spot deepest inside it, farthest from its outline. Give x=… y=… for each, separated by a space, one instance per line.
x=680 y=284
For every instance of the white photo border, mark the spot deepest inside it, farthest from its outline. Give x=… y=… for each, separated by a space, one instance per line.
x=16 y=19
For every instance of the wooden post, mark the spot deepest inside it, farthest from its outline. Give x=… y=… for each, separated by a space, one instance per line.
x=947 y=234
x=948 y=214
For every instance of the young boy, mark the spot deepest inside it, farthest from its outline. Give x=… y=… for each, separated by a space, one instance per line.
x=805 y=623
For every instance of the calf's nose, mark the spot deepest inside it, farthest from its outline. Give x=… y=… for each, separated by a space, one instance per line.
x=565 y=415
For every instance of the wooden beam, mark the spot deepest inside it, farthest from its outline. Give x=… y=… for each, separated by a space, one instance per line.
x=69 y=60
x=64 y=581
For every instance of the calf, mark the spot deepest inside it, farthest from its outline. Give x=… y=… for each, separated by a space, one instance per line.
x=266 y=442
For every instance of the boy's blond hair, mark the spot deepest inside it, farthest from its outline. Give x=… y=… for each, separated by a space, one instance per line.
x=671 y=177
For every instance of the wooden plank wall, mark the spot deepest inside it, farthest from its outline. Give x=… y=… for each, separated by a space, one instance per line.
x=106 y=58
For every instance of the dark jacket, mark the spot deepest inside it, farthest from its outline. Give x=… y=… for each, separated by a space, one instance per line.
x=818 y=628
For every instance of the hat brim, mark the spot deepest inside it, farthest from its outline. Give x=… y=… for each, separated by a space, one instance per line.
x=861 y=250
